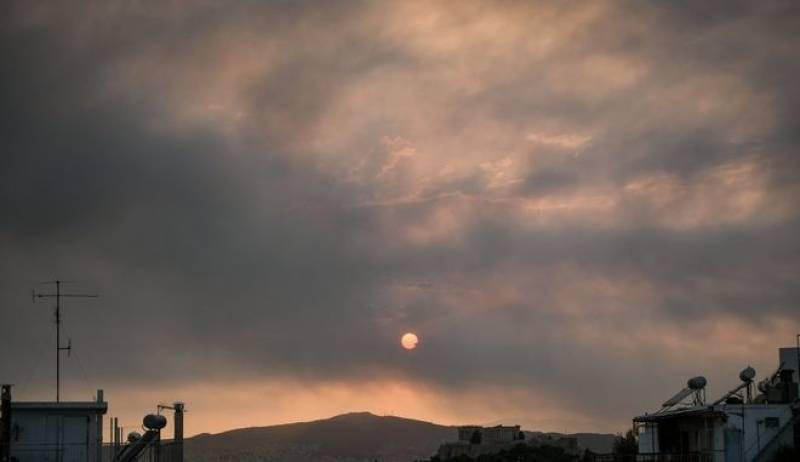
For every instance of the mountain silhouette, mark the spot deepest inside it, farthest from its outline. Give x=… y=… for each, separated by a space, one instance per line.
x=353 y=437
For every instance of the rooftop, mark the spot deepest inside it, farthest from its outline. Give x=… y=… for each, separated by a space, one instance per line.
x=99 y=407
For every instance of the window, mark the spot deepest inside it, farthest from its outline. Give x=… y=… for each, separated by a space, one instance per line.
x=772 y=422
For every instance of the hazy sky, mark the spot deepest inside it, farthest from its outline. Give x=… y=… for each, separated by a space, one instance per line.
x=575 y=205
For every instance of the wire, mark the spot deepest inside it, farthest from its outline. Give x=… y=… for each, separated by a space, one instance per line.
x=83 y=370
x=84 y=375
x=34 y=366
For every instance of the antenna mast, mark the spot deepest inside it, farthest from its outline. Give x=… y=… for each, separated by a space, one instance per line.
x=58 y=295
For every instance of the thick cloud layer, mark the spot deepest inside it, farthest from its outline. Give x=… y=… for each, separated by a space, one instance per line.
x=564 y=201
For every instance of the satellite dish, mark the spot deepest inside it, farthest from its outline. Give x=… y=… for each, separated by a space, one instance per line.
x=134 y=436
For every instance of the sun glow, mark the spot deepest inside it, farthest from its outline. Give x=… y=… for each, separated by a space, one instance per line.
x=409 y=341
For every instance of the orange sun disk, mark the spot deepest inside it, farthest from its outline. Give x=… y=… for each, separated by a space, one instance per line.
x=409 y=341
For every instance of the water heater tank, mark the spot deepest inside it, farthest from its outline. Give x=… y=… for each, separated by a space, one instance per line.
x=154 y=421
x=697 y=383
x=747 y=374
x=764 y=385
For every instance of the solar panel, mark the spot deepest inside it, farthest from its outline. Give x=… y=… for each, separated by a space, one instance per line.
x=680 y=396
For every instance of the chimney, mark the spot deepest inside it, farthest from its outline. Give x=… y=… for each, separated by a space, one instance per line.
x=178 y=437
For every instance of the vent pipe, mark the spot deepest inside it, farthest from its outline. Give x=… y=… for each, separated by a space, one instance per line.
x=178 y=418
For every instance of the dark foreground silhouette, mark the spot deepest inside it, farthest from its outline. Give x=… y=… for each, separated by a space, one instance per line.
x=520 y=453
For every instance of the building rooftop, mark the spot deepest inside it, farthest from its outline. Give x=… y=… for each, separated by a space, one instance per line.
x=699 y=411
x=99 y=407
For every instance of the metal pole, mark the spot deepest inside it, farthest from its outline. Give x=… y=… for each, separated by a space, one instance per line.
x=59 y=348
x=116 y=436
x=758 y=436
x=58 y=359
x=58 y=340
x=178 y=437
x=157 y=452
x=5 y=429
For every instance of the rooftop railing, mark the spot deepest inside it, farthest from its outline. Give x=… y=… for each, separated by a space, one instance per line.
x=162 y=452
x=656 y=457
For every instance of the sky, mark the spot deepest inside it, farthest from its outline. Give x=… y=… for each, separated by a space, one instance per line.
x=576 y=206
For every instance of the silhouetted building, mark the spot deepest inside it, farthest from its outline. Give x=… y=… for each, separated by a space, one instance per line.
x=67 y=431
x=738 y=427
x=568 y=443
x=72 y=431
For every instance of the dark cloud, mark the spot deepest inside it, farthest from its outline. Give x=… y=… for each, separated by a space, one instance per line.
x=284 y=189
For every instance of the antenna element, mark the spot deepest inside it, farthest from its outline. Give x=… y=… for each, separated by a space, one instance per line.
x=58 y=295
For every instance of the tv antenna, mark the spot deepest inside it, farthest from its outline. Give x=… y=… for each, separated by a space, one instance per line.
x=58 y=296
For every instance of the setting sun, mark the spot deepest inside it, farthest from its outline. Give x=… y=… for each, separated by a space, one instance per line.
x=409 y=341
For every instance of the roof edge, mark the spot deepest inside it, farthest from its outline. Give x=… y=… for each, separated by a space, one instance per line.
x=97 y=407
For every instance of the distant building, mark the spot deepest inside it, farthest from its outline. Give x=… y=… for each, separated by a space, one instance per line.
x=475 y=440
x=502 y=435
x=568 y=443
x=467 y=433
x=738 y=427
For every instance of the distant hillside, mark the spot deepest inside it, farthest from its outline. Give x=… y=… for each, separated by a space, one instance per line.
x=355 y=437
x=352 y=437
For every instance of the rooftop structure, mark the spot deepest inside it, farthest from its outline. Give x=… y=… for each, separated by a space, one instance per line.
x=737 y=427
x=66 y=431
x=72 y=431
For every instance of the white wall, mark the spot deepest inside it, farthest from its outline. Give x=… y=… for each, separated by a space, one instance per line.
x=748 y=420
x=648 y=439
x=755 y=433
x=38 y=436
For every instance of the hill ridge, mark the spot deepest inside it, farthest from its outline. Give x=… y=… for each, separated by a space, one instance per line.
x=359 y=436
